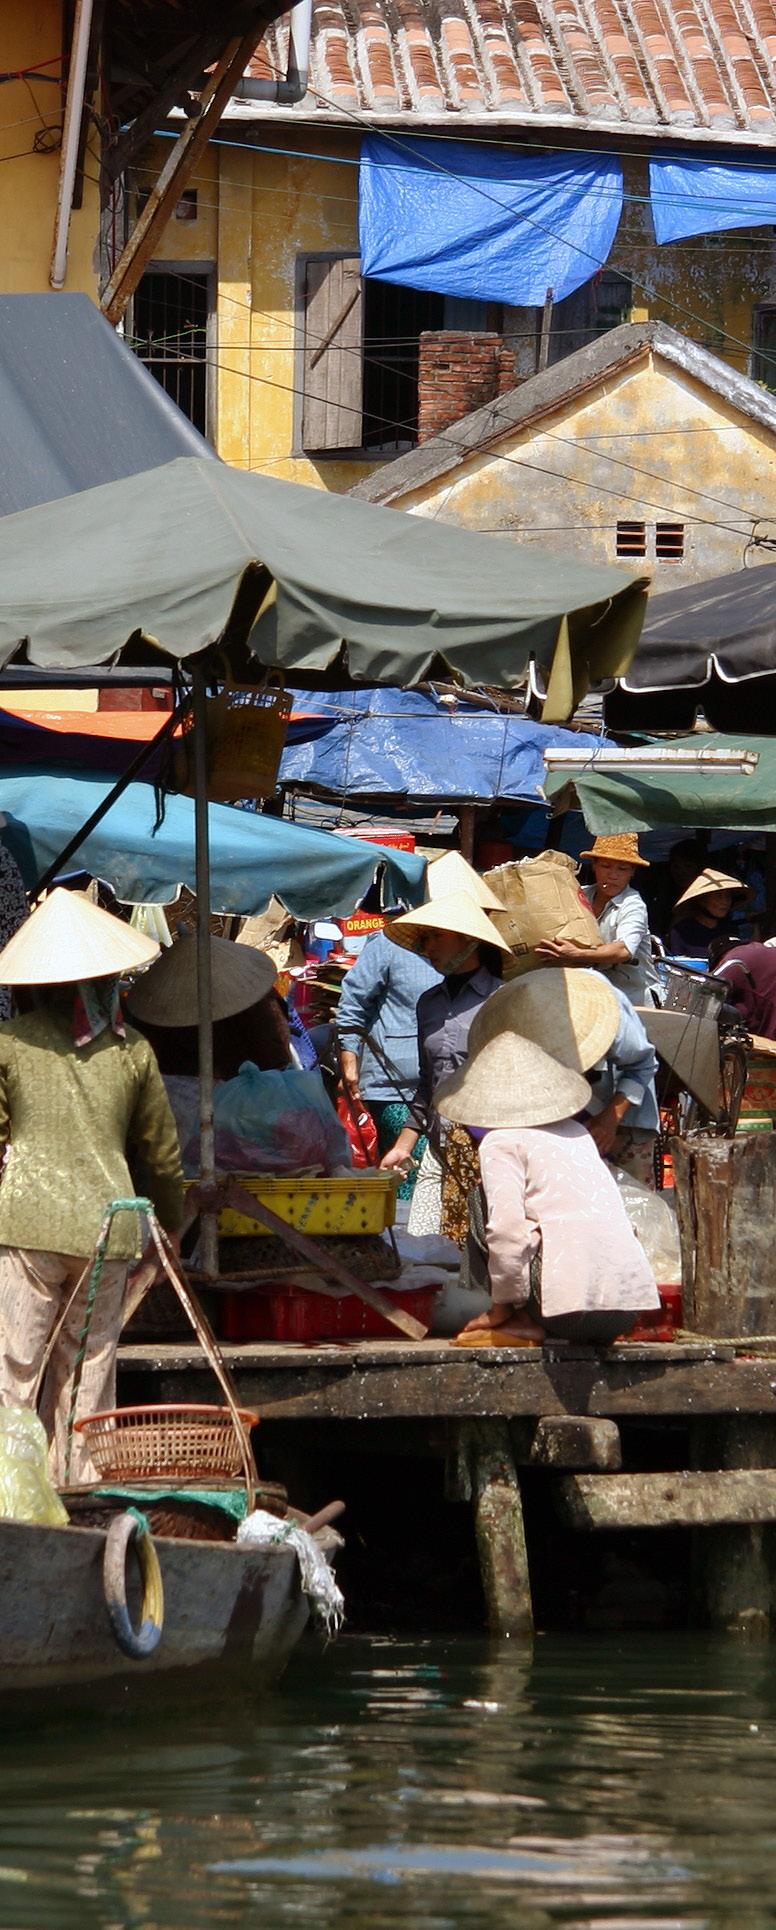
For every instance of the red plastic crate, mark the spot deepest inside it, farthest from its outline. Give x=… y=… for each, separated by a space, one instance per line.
x=282 y=1311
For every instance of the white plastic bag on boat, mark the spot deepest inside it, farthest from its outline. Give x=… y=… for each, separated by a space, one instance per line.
x=654 y=1221
x=262 y=1530
x=26 y=1493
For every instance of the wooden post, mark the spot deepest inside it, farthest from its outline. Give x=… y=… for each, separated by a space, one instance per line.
x=544 y=336
x=498 y=1524
x=733 y=1568
x=207 y=1166
x=726 y=1204
x=175 y=174
x=466 y=821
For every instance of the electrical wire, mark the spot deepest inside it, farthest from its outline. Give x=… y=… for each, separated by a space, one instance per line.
x=647 y=288
x=517 y=462
x=547 y=435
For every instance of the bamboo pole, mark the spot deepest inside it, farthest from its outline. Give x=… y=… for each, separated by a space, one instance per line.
x=209 y=1219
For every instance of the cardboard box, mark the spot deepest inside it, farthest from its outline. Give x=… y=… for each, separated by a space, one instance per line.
x=542 y=899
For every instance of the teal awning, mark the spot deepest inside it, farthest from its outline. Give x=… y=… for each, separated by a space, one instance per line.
x=322 y=586
x=705 y=798
x=314 y=873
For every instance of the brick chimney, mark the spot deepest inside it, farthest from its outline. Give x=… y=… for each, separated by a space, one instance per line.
x=459 y=370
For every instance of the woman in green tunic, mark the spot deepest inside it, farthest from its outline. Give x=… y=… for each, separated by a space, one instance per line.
x=79 y=1092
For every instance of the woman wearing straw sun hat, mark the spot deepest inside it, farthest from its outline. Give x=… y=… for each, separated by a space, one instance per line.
x=706 y=905
x=77 y=1088
x=458 y=938
x=562 y=1258
x=626 y=953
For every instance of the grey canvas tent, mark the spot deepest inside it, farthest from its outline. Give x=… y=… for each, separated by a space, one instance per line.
x=77 y=408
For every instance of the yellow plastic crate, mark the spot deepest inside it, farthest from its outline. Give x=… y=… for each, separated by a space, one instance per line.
x=361 y=1203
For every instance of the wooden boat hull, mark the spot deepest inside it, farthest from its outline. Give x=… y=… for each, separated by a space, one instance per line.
x=222 y=1604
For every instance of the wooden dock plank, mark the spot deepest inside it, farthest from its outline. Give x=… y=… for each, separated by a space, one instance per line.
x=708 y=1499
x=388 y=1380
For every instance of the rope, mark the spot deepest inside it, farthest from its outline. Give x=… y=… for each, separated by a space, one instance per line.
x=116 y=1206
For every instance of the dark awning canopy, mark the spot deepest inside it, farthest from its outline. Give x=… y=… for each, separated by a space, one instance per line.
x=710 y=646
x=323 y=587
x=77 y=408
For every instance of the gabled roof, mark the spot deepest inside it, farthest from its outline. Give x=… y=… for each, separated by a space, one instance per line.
x=77 y=408
x=647 y=67
x=541 y=395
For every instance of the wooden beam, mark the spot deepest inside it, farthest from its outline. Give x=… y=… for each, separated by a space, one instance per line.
x=498 y=1525
x=726 y=1497
x=386 y=1380
x=199 y=54
x=174 y=176
x=576 y=1442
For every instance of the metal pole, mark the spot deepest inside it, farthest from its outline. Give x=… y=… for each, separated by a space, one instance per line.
x=209 y=1221
x=132 y=771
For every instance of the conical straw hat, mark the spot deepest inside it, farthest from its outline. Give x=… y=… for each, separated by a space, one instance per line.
x=451 y=872
x=458 y=912
x=710 y=880
x=571 y=1014
x=68 y=938
x=167 y=995
x=511 y=1082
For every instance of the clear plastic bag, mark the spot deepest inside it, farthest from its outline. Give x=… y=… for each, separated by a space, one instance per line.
x=654 y=1221
x=26 y=1492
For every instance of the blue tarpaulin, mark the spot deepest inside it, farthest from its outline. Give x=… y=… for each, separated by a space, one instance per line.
x=315 y=873
x=472 y=220
x=700 y=197
x=410 y=744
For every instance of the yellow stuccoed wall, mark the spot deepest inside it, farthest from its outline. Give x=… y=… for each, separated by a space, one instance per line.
x=710 y=468
x=256 y=214
x=259 y=211
x=30 y=33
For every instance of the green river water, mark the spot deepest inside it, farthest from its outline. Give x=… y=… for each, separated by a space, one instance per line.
x=609 y=1782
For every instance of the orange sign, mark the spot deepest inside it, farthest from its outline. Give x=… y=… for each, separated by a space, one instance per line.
x=361 y=923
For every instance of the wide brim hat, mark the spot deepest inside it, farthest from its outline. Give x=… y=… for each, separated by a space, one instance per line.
x=68 y=938
x=708 y=881
x=452 y=872
x=509 y=1082
x=168 y=994
x=571 y=1014
x=621 y=848
x=457 y=912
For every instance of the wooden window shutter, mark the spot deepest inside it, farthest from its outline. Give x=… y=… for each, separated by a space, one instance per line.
x=332 y=399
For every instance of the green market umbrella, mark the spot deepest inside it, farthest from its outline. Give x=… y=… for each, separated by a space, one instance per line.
x=319 y=586
x=705 y=797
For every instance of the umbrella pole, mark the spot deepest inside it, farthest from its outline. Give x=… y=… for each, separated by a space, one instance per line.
x=209 y=1220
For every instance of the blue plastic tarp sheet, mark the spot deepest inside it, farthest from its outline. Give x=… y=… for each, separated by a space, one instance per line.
x=409 y=744
x=701 y=197
x=481 y=222
x=314 y=873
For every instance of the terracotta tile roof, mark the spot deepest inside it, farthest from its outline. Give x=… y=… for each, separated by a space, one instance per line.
x=686 y=68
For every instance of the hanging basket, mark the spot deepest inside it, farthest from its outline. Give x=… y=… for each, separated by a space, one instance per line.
x=246 y=732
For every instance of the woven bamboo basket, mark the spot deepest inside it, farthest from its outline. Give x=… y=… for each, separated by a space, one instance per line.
x=246 y=732
x=169 y=1441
